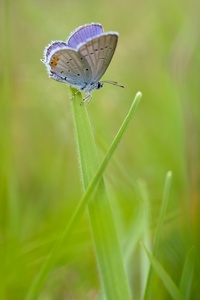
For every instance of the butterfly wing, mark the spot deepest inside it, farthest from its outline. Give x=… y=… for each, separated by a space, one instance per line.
x=83 y=33
x=98 y=52
x=69 y=66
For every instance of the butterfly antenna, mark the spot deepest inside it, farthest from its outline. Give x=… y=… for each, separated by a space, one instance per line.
x=112 y=82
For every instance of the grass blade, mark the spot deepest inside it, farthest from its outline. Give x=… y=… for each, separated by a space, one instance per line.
x=163 y=210
x=106 y=243
x=51 y=258
x=187 y=274
x=164 y=276
x=165 y=200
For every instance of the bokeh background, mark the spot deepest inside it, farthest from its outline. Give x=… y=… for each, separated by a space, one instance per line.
x=158 y=54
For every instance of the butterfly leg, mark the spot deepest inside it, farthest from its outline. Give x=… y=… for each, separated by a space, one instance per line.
x=86 y=99
x=74 y=95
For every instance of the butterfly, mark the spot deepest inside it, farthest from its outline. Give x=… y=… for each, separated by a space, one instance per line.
x=82 y=60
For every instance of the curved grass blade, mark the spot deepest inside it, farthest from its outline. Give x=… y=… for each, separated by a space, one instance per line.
x=163 y=209
x=164 y=276
x=187 y=274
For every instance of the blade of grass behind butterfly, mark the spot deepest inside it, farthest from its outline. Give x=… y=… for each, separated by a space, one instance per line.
x=163 y=209
x=187 y=274
x=138 y=230
x=164 y=276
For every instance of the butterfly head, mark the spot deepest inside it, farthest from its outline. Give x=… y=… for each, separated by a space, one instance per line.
x=99 y=85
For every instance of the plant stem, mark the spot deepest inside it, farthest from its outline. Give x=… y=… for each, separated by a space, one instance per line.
x=106 y=243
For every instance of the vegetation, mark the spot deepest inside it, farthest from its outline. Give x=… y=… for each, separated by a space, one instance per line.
x=56 y=237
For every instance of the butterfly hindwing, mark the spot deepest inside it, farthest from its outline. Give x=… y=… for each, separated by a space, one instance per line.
x=70 y=66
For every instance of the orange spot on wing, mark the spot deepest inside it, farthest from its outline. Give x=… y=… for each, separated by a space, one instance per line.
x=54 y=61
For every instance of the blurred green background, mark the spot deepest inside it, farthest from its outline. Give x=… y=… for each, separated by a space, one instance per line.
x=159 y=54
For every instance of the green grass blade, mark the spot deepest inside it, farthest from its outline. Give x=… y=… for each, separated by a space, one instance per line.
x=115 y=142
x=164 y=276
x=138 y=230
x=165 y=200
x=51 y=258
x=163 y=210
x=138 y=223
x=187 y=274
x=106 y=243
x=146 y=225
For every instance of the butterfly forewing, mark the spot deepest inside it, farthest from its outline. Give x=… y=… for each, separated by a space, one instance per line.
x=71 y=66
x=98 y=52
